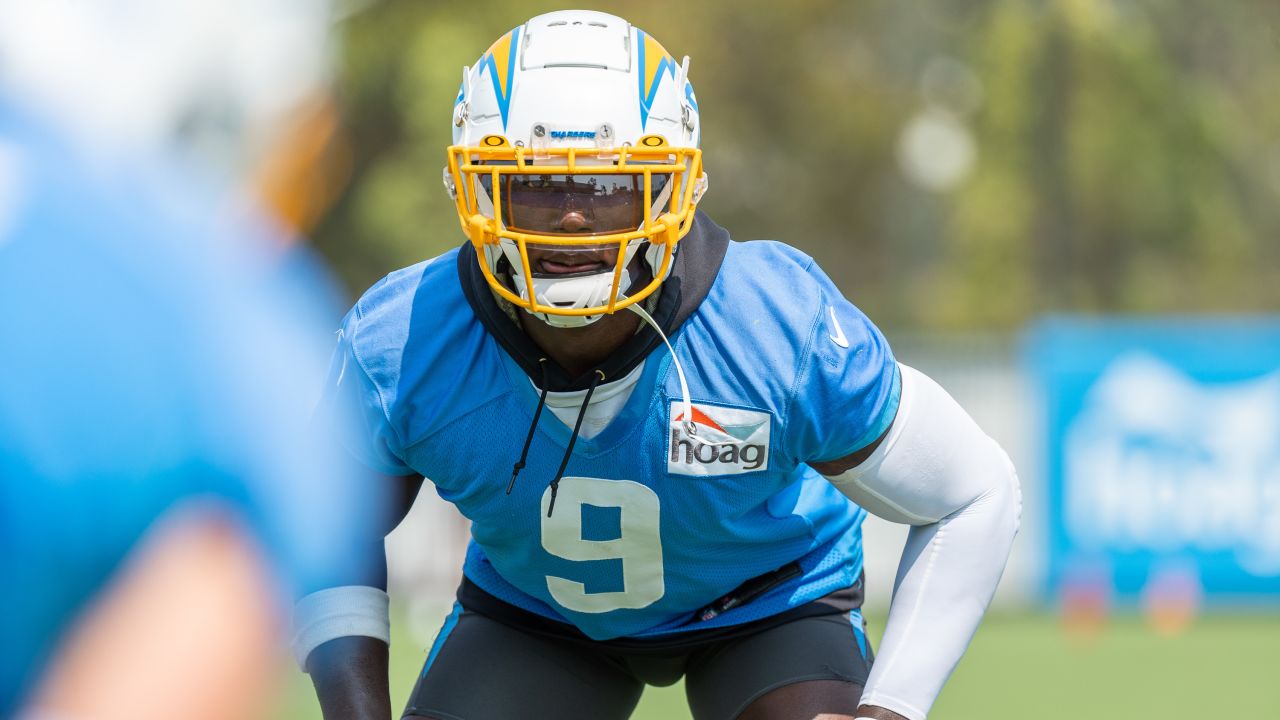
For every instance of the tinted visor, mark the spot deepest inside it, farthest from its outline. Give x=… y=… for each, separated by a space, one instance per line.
x=574 y=204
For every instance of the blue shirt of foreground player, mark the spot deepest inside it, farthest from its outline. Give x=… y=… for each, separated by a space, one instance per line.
x=147 y=365
x=651 y=522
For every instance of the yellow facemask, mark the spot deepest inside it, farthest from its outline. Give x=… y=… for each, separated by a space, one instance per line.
x=483 y=180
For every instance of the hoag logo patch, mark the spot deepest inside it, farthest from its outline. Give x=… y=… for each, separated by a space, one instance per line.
x=723 y=441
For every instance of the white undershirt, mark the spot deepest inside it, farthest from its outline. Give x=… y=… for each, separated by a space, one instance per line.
x=606 y=402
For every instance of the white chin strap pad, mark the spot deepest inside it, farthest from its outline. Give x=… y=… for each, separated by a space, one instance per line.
x=578 y=292
x=936 y=470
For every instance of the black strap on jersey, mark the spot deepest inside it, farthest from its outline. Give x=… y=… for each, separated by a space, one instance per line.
x=694 y=270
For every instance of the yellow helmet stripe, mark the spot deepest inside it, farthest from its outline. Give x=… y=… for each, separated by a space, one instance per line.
x=500 y=60
x=654 y=60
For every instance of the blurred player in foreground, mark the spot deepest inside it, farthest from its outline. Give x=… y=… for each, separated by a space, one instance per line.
x=164 y=492
x=687 y=430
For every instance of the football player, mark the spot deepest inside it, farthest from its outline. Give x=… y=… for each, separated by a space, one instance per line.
x=162 y=492
x=665 y=441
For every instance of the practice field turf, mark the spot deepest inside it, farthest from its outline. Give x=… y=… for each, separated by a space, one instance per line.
x=1025 y=666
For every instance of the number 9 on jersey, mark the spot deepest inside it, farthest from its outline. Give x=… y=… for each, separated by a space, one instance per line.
x=638 y=544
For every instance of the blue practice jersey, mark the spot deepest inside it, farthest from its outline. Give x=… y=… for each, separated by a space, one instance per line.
x=655 y=518
x=145 y=366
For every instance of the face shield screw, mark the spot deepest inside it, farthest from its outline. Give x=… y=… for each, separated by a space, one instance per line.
x=539 y=131
x=605 y=132
x=460 y=114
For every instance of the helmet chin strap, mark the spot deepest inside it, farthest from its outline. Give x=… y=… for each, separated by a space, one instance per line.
x=589 y=289
x=566 y=321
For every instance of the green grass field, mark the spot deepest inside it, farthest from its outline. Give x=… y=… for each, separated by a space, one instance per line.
x=1025 y=666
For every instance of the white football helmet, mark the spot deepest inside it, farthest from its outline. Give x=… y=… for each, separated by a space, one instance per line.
x=575 y=164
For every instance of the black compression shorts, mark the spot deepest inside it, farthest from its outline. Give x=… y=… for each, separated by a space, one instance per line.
x=494 y=660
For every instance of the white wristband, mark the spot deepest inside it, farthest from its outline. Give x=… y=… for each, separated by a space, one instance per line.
x=350 y=610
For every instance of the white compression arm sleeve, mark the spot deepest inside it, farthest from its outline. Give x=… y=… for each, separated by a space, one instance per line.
x=936 y=470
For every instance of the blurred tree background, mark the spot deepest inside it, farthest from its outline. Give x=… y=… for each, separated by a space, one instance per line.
x=953 y=164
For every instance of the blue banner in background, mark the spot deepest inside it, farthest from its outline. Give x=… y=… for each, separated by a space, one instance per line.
x=1162 y=453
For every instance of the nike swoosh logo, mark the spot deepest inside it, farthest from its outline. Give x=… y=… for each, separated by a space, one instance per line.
x=342 y=372
x=838 y=338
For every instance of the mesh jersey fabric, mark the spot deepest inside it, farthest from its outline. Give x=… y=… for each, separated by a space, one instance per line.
x=651 y=525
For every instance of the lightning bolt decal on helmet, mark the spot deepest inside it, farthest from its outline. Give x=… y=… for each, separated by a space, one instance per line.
x=575 y=165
